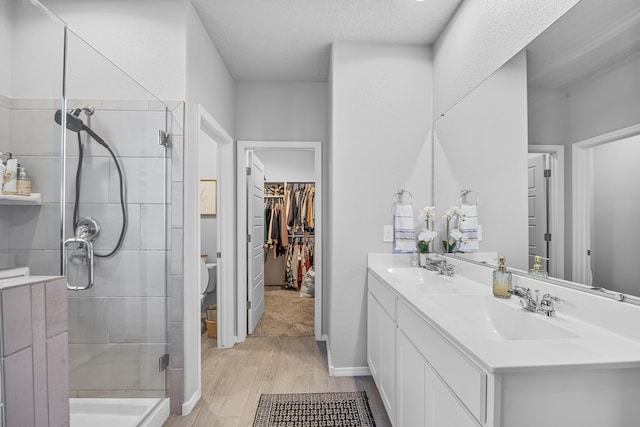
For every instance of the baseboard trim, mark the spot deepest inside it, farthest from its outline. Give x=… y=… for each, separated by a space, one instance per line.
x=351 y=371
x=188 y=406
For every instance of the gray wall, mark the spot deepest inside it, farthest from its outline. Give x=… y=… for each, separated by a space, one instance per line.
x=381 y=109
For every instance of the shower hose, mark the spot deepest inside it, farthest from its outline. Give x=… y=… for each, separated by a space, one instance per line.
x=77 y=195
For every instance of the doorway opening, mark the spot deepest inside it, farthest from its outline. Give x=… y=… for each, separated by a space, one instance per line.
x=547 y=206
x=284 y=184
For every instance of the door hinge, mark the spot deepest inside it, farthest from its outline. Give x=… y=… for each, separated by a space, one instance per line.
x=589 y=252
x=219 y=255
x=164 y=138
x=163 y=362
x=547 y=173
x=248 y=305
x=547 y=237
x=248 y=171
x=248 y=238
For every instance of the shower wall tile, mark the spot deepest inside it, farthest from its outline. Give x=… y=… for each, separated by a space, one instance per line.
x=35 y=227
x=56 y=300
x=176 y=299
x=39 y=352
x=5 y=127
x=87 y=320
x=130 y=133
x=176 y=251
x=176 y=395
x=58 y=380
x=125 y=104
x=177 y=125
x=176 y=344
x=137 y=320
x=5 y=223
x=145 y=180
x=104 y=367
x=95 y=180
x=34 y=132
x=177 y=214
x=36 y=104
x=16 y=314
x=40 y=262
x=18 y=382
x=130 y=274
x=177 y=147
x=153 y=227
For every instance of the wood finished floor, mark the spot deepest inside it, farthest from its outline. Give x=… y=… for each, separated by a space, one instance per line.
x=233 y=379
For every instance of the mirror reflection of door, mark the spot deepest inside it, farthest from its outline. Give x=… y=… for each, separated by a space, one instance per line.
x=538 y=183
x=616 y=215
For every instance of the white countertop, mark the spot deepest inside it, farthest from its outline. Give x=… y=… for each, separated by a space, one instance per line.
x=592 y=347
x=25 y=280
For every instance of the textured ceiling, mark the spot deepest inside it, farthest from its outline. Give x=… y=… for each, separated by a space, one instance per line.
x=289 y=40
x=589 y=39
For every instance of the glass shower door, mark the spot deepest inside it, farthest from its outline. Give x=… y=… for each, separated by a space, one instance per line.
x=116 y=176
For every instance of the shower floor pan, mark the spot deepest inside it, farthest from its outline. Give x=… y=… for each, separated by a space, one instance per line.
x=109 y=412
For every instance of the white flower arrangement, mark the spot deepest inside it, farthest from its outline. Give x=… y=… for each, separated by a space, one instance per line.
x=455 y=212
x=426 y=236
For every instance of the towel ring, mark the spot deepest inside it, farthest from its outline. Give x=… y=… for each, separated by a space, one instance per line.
x=464 y=200
x=398 y=198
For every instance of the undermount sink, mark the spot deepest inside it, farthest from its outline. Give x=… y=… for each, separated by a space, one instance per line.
x=497 y=320
x=430 y=282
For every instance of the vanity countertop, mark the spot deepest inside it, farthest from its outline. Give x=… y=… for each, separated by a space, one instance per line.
x=561 y=342
x=25 y=280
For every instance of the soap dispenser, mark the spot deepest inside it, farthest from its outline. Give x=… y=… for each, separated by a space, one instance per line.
x=537 y=269
x=501 y=281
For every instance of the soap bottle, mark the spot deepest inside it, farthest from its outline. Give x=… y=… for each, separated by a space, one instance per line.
x=537 y=269
x=10 y=176
x=501 y=281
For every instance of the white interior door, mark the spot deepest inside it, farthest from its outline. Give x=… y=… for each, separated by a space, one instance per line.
x=538 y=209
x=255 y=253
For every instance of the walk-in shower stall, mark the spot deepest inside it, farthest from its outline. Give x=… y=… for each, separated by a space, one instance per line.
x=97 y=149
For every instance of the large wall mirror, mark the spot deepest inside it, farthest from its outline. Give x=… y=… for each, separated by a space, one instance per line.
x=551 y=145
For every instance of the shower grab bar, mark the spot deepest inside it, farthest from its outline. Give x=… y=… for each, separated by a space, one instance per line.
x=80 y=243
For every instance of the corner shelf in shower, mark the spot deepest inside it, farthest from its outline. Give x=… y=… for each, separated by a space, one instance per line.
x=33 y=199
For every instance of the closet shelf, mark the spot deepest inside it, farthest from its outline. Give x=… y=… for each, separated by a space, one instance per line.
x=34 y=199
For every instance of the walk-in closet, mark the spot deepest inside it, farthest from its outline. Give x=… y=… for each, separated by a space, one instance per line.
x=289 y=243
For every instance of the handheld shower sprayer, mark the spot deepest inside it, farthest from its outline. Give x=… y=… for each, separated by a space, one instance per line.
x=75 y=124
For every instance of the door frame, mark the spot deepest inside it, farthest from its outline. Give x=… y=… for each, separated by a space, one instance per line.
x=582 y=164
x=241 y=287
x=557 y=247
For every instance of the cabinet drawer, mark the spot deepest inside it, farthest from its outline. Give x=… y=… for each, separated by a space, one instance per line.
x=385 y=297
x=467 y=381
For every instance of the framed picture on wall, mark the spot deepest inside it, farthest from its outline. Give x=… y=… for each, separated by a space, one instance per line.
x=208 y=197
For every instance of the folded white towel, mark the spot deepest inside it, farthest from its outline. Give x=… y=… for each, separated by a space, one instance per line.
x=404 y=229
x=469 y=227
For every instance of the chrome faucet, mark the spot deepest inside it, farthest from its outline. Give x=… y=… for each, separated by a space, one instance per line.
x=439 y=264
x=529 y=301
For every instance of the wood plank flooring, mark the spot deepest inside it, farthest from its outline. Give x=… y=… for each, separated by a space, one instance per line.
x=233 y=379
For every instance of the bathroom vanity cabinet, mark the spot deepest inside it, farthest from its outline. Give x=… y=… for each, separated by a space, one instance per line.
x=428 y=374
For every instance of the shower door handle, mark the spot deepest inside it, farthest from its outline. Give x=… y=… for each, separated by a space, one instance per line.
x=81 y=255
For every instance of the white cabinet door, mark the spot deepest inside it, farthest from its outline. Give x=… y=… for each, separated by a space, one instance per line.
x=381 y=348
x=442 y=408
x=411 y=384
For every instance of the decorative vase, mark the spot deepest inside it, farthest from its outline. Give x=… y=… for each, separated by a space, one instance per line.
x=423 y=259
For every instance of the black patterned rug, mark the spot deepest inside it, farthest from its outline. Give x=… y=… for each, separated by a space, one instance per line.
x=314 y=410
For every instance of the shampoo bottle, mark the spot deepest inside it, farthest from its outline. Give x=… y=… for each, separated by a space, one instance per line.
x=501 y=281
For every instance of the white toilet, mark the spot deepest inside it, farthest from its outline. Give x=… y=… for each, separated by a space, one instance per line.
x=208 y=278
